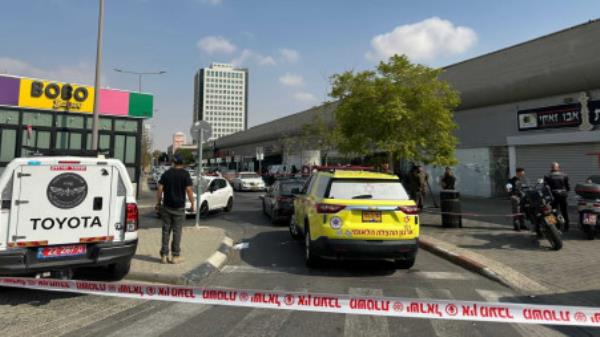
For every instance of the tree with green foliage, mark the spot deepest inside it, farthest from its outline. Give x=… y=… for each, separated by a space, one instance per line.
x=400 y=108
x=321 y=135
x=186 y=154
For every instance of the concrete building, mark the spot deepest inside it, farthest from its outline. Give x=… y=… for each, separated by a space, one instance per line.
x=526 y=105
x=221 y=98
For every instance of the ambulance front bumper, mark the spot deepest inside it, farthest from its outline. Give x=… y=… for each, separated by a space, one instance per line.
x=21 y=261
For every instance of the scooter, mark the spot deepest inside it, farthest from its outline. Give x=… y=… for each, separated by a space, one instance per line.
x=588 y=207
x=536 y=204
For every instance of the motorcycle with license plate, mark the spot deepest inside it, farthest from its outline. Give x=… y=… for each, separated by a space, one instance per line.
x=536 y=204
x=588 y=206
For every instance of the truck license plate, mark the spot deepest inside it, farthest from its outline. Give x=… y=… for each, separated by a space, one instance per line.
x=589 y=219
x=371 y=216
x=61 y=251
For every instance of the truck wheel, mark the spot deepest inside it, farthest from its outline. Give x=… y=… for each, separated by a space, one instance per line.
x=119 y=270
x=589 y=232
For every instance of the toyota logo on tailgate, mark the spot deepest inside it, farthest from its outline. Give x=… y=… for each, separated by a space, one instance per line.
x=67 y=190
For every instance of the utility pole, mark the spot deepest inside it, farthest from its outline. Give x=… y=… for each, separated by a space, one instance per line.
x=95 y=119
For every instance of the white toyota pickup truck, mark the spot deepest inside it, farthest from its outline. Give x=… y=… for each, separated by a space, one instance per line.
x=62 y=213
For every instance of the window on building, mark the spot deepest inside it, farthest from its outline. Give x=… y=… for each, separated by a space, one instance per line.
x=37 y=119
x=9 y=117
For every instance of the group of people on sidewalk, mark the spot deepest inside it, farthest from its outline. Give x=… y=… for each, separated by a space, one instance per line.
x=558 y=183
x=418 y=181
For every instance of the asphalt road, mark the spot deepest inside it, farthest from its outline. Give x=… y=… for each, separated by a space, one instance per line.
x=271 y=261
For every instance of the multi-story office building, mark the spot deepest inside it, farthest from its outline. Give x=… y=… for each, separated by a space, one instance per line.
x=221 y=98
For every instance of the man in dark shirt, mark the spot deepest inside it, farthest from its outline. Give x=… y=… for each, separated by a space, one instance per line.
x=448 y=179
x=559 y=184
x=513 y=187
x=170 y=201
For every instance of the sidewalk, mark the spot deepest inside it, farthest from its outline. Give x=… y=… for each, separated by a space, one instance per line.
x=518 y=258
x=204 y=249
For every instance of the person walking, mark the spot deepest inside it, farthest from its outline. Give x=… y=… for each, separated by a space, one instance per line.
x=559 y=185
x=448 y=179
x=173 y=186
x=514 y=187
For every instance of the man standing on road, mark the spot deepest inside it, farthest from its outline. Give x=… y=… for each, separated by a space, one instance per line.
x=172 y=188
x=419 y=185
x=559 y=184
x=513 y=187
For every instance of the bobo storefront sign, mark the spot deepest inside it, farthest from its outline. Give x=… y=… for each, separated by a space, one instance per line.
x=56 y=96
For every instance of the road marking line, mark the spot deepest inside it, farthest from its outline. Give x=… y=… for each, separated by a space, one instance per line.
x=372 y=326
x=523 y=329
x=261 y=322
x=443 y=275
x=446 y=327
x=162 y=321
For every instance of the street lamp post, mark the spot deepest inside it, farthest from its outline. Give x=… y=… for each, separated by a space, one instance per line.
x=95 y=119
x=139 y=75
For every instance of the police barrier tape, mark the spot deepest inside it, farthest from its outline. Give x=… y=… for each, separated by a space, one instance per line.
x=345 y=304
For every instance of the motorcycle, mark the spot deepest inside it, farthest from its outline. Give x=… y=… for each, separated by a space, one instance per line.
x=536 y=204
x=588 y=207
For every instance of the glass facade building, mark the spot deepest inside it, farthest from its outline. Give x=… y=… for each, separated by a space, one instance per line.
x=221 y=98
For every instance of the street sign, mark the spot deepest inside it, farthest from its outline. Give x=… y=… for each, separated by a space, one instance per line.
x=201 y=127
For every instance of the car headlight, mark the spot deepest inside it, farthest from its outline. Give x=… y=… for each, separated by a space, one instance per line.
x=335 y=222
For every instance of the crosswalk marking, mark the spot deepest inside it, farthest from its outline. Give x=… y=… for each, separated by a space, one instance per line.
x=431 y=275
x=261 y=322
x=523 y=329
x=160 y=322
x=372 y=326
x=445 y=327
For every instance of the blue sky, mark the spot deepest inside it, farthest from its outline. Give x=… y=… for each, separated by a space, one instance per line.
x=290 y=47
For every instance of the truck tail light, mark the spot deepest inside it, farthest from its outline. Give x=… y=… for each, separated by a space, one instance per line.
x=329 y=208
x=409 y=210
x=132 y=218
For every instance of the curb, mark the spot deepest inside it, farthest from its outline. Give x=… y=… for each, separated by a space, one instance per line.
x=212 y=264
x=465 y=262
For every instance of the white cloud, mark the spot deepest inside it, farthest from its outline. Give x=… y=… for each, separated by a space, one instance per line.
x=423 y=41
x=289 y=55
x=216 y=45
x=250 y=56
x=81 y=72
x=291 y=80
x=305 y=97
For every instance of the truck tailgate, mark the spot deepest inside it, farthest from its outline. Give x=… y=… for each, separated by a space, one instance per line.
x=62 y=204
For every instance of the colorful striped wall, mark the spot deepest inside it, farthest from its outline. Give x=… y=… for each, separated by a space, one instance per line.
x=21 y=92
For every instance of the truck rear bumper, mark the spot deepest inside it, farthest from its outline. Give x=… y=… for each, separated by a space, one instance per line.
x=24 y=260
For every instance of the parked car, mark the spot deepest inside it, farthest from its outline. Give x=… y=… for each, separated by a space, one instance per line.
x=356 y=215
x=68 y=212
x=278 y=202
x=217 y=194
x=248 y=181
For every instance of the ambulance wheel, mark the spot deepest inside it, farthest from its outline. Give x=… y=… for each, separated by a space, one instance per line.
x=405 y=263
x=119 y=270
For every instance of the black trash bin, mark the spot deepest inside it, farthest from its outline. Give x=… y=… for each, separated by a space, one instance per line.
x=450 y=200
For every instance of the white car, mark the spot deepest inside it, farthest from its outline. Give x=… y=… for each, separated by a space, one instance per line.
x=248 y=181
x=61 y=213
x=216 y=194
